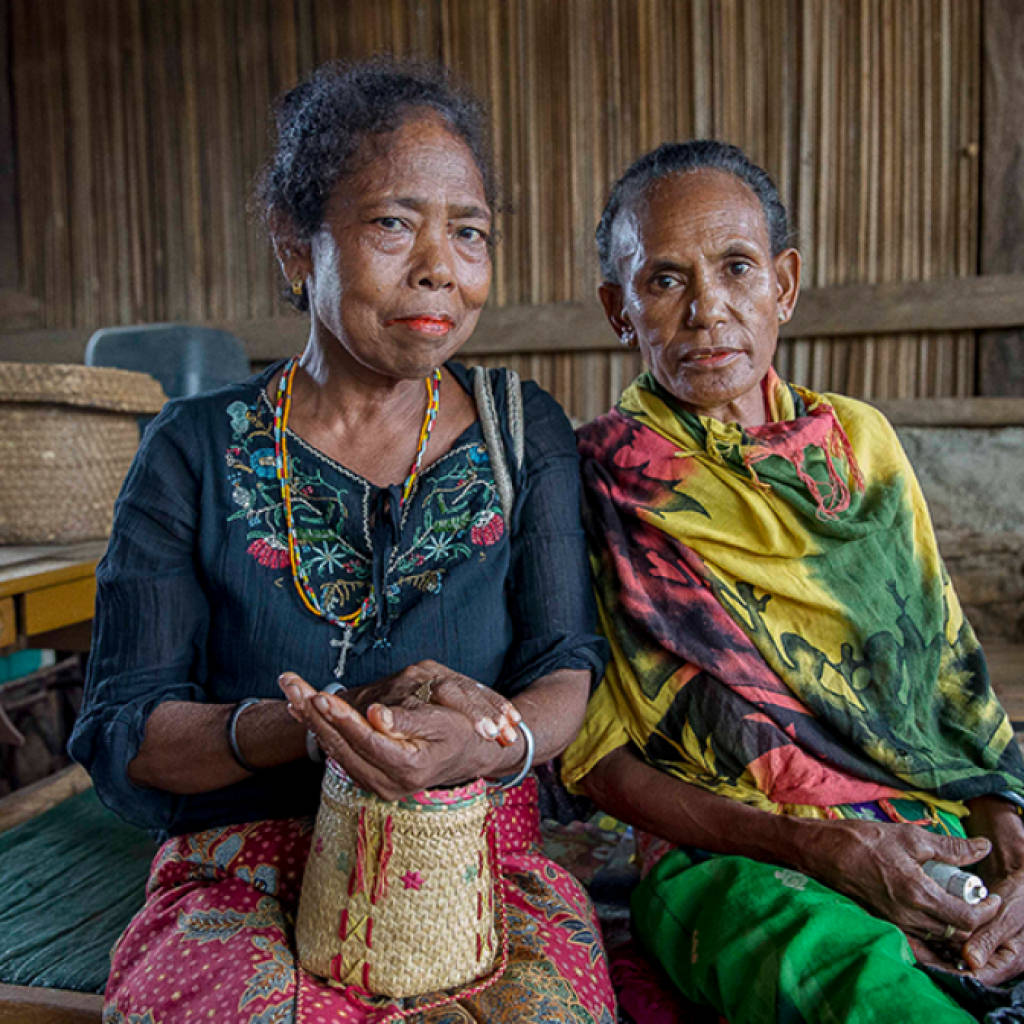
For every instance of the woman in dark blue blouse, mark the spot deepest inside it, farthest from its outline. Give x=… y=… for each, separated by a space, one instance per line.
x=345 y=518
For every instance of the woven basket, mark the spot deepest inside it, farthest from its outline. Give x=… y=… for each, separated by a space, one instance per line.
x=67 y=438
x=398 y=898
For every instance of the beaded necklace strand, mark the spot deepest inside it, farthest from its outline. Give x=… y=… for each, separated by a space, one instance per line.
x=300 y=574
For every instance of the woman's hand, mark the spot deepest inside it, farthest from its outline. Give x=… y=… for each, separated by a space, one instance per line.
x=879 y=865
x=429 y=682
x=392 y=752
x=995 y=952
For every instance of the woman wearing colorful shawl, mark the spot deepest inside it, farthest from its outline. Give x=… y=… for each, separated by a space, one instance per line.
x=352 y=517
x=796 y=715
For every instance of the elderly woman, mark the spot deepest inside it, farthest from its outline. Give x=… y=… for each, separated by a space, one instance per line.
x=796 y=714
x=340 y=519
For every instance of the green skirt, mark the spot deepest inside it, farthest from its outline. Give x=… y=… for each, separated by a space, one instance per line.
x=763 y=943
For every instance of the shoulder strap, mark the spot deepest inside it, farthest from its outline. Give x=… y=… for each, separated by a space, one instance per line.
x=488 y=412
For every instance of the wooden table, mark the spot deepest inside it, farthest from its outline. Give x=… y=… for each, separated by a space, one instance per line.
x=47 y=594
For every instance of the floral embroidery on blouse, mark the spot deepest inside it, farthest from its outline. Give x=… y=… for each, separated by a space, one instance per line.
x=457 y=513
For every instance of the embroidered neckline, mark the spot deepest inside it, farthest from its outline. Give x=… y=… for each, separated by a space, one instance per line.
x=355 y=477
x=300 y=573
x=453 y=516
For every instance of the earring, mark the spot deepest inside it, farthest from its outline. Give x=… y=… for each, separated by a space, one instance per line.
x=297 y=285
x=782 y=317
x=626 y=337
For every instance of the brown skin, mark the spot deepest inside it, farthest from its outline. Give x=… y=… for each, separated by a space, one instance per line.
x=859 y=858
x=701 y=294
x=401 y=749
x=396 y=276
x=404 y=236
x=702 y=297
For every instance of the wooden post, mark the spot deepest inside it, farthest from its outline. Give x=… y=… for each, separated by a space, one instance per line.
x=8 y=177
x=17 y=310
x=1001 y=352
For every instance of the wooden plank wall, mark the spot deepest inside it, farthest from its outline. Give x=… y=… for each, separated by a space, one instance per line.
x=1002 y=186
x=139 y=125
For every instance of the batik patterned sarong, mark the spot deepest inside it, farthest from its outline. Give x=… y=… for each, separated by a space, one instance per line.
x=214 y=940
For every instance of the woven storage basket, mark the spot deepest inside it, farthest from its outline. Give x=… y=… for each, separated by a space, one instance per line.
x=67 y=438
x=398 y=898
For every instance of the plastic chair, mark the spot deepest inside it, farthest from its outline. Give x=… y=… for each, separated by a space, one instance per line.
x=183 y=358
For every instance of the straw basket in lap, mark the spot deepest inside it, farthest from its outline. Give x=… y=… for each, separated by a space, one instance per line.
x=398 y=899
x=67 y=437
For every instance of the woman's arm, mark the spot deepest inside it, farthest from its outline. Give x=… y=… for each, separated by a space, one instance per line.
x=267 y=735
x=185 y=747
x=549 y=587
x=875 y=863
x=151 y=619
x=148 y=731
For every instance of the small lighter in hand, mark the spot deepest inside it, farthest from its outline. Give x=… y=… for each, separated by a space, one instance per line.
x=957 y=882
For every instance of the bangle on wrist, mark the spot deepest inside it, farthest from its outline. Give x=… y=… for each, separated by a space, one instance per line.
x=313 y=751
x=508 y=781
x=232 y=733
x=1015 y=800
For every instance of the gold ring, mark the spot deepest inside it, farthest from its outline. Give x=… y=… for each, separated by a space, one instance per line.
x=948 y=933
x=424 y=691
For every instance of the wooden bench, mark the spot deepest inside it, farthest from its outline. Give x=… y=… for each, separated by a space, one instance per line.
x=20 y=1004
x=35 y=1004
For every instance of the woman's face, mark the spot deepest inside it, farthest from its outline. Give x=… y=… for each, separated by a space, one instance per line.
x=400 y=268
x=701 y=294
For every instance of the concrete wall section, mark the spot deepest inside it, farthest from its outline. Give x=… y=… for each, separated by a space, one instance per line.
x=973 y=481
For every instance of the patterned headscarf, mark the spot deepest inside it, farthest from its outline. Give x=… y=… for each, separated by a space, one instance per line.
x=782 y=628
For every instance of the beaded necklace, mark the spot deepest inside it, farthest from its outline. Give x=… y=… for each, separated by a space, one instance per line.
x=300 y=574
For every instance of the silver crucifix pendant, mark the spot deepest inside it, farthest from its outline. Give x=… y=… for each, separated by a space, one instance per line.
x=344 y=644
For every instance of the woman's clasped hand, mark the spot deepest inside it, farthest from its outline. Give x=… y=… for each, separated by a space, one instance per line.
x=423 y=727
x=879 y=864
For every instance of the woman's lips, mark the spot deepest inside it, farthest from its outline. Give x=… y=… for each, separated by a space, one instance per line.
x=434 y=326
x=709 y=356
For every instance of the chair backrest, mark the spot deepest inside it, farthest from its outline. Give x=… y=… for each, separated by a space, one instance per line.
x=185 y=359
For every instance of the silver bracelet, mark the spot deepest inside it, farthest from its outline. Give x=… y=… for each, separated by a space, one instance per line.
x=508 y=781
x=1014 y=799
x=232 y=731
x=313 y=751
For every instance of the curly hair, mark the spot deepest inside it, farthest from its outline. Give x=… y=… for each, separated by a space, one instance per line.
x=682 y=158
x=323 y=121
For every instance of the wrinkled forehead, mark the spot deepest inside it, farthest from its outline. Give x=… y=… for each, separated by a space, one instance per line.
x=678 y=205
x=422 y=156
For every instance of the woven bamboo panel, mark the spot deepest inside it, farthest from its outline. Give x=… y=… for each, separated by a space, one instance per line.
x=140 y=125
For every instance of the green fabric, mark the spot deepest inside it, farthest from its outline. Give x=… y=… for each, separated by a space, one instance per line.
x=759 y=942
x=782 y=629
x=906 y=811
x=72 y=879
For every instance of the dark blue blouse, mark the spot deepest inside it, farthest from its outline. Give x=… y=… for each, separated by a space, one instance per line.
x=196 y=600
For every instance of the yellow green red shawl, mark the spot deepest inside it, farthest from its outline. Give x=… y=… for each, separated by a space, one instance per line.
x=782 y=628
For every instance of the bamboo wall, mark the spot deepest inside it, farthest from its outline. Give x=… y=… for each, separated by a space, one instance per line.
x=139 y=125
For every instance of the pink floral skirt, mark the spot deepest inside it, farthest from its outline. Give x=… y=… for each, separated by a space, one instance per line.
x=214 y=940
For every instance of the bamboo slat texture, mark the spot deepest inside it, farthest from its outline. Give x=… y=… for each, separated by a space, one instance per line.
x=140 y=125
